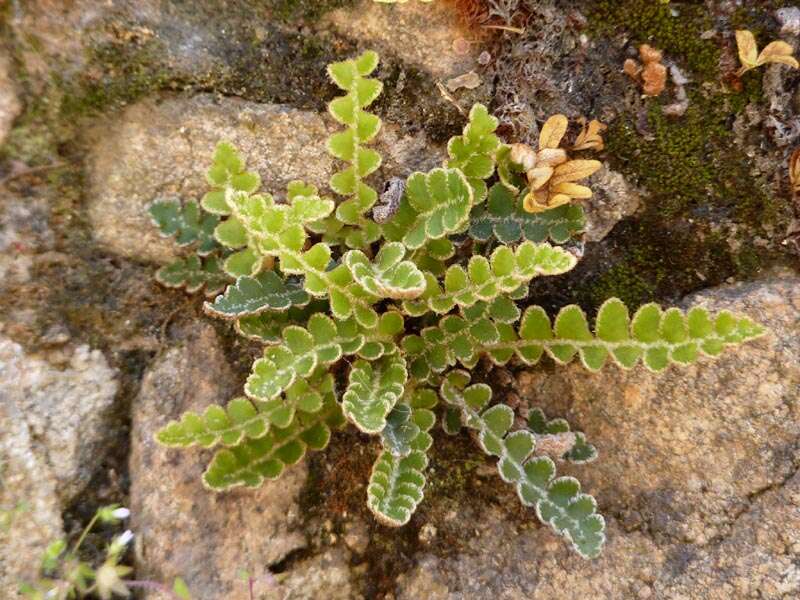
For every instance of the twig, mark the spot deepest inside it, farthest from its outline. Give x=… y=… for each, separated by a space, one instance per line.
x=519 y=30
x=446 y=95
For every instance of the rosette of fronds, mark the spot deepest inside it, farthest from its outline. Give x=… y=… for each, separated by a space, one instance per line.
x=378 y=325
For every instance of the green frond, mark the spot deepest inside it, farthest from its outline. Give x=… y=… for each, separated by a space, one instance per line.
x=349 y=146
x=227 y=172
x=473 y=153
x=435 y=204
x=254 y=460
x=373 y=391
x=486 y=279
x=253 y=295
x=558 y=500
x=194 y=274
x=322 y=342
x=186 y=224
x=243 y=418
x=654 y=337
x=398 y=479
x=504 y=218
x=279 y=230
x=389 y=276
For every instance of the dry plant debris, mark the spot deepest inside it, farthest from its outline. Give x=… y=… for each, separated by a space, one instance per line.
x=551 y=175
x=775 y=52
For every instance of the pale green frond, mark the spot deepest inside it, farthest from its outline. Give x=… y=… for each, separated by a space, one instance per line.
x=397 y=481
x=373 y=391
x=473 y=153
x=255 y=460
x=504 y=272
x=435 y=204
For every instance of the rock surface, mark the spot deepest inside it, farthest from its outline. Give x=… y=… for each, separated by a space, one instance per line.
x=424 y=35
x=697 y=477
x=10 y=106
x=53 y=434
x=182 y=528
x=162 y=149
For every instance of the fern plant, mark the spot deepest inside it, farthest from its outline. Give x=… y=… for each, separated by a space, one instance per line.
x=377 y=322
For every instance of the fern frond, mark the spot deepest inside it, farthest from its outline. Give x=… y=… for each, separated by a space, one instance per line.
x=436 y=204
x=279 y=230
x=322 y=342
x=389 y=276
x=243 y=418
x=373 y=391
x=227 y=172
x=397 y=480
x=194 y=274
x=655 y=337
x=473 y=153
x=486 y=279
x=254 y=460
x=267 y=327
x=253 y=295
x=349 y=145
x=185 y=223
x=558 y=501
x=504 y=218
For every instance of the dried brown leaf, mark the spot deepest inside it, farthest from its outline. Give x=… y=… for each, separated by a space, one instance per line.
x=794 y=171
x=777 y=52
x=648 y=54
x=538 y=176
x=523 y=155
x=573 y=190
x=748 y=49
x=590 y=137
x=553 y=131
x=632 y=68
x=654 y=77
x=574 y=170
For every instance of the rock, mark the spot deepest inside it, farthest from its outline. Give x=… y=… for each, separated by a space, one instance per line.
x=182 y=528
x=24 y=233
x=697 y=478
x=10 y=106
x=421 y=34
x=612 y=200
x=326 y=575
x=160 y=149
x=53 y=432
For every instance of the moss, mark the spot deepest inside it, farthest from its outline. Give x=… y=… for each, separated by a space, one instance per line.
x=654 y=22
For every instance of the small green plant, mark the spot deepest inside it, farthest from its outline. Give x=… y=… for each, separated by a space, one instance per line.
x=64 y=574
x=372 y=318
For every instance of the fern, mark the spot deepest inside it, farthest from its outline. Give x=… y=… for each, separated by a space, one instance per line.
x=473 y=153
x=194 y=274
x=186 y=223
x=398 y=477
x=558 y=501
x=349 y=146
x=504 y=218
x=394 y=311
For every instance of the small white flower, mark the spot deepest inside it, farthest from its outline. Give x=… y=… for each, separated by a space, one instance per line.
x=125 y=538
x=119 y=543
x=121 y=513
